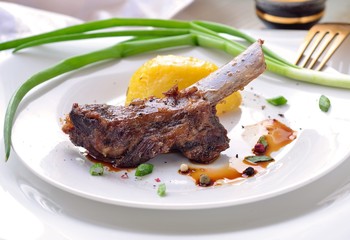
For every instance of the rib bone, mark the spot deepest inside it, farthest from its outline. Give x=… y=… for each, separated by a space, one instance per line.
x=234 y=75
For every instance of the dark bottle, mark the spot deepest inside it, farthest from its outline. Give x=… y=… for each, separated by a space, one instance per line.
x=290 y=14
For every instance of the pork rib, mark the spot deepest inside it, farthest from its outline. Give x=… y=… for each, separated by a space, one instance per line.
x=183 y=121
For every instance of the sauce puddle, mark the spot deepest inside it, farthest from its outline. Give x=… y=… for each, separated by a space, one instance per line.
x=109 y=166
x=216 y=175
x=277 y=136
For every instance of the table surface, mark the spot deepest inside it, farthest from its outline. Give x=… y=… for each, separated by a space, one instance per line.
x=237 y=13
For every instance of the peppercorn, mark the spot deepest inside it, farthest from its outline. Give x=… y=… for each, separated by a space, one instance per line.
x=183 y=168
x=249 y=171
x=204 y=180
x=259 y=148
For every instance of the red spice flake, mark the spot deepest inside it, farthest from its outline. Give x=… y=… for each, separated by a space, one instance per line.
x=125 y=176
x=157 y=180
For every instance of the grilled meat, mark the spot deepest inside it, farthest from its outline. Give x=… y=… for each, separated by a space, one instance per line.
x=183 y=121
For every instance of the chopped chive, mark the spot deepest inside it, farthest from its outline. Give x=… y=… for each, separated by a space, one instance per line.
x=161 y=191
x=96 y=169
x=277 y=101
x=324 y=103
x=263 y=141
x=255 y=159
x=144 y=169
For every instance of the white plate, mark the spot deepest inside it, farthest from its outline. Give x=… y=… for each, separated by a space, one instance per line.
x=321 y=145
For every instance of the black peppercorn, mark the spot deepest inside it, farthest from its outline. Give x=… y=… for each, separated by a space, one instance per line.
x=249 y=171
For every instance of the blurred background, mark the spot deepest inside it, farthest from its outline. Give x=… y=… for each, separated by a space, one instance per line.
x=238 y=13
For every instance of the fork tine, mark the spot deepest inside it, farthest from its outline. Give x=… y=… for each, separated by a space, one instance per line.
x=320 y=43
x=322 y=48
x=314 y=44
x=304 y=46
x=340 y=38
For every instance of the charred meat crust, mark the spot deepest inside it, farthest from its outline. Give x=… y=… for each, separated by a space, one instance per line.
x=129 y=136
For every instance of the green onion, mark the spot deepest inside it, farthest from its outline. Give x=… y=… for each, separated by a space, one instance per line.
x=97 y=169
x=98 y=25
x=80 y=36
x=277 y=101
x=161 y=191
x=255 y=159
x=156 y=34
x=263 y=141
x=143 y=169
x=324 y=103
x=221 y=28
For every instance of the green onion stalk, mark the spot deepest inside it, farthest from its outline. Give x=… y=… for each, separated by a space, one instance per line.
x=154 y=34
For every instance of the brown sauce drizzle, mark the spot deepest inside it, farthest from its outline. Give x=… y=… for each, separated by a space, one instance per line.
x=110 y=166
x=224 y=173
x=278 y=135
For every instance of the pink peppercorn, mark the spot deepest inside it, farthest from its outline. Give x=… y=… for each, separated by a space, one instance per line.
x=259 y=148
x=157 y=179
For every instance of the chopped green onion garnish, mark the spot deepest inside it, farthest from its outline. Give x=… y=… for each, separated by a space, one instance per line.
x=161 y=190
x=96 y=169
x=263 y=141
x=324 y=103
x=143 y=169
x=255 y=159
x=277 y=101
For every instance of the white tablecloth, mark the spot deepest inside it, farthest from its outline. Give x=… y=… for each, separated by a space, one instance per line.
x=237 y=13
